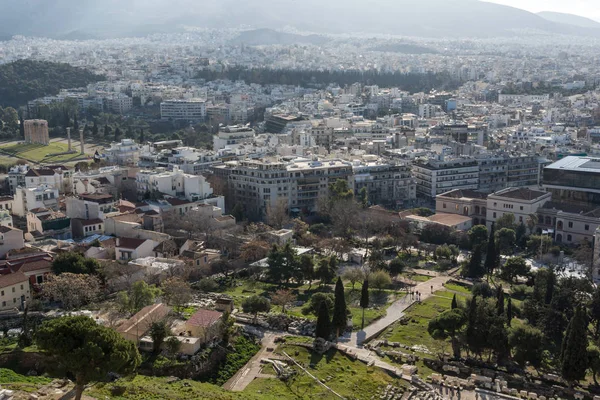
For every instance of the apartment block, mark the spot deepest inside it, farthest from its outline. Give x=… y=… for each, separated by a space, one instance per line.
x=439 y=176
x=183 y=109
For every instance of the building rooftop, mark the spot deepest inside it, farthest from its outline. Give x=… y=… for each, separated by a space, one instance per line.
x=12 y=279
x=520 y=193
x=129 y=243
x=204 y=318
x=464 y=194
x=574 y=163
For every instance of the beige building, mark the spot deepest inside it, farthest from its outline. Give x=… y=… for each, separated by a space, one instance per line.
x=572 y=224
x=10 y=239
x=463 y=202
x=36 y=131
x=521 y=202
x=203 y=324
x=14 y=291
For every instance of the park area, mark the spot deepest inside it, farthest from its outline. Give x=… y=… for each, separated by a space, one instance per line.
x=40 y=153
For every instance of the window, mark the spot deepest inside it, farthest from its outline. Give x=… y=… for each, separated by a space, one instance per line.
x=587 y=227
x=2 y=293
x=494 y=215
x=569 y=238
x=444 y=205
x=13 y=289
x=3 y=304
x=521 y=208
x=21 y=287
x=570 y=224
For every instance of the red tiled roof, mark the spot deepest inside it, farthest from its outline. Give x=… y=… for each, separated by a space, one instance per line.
x=204 y=318
x=12 y=279
x=40 y=172
x=129 y=243
x=86 y=222
x=176 y=202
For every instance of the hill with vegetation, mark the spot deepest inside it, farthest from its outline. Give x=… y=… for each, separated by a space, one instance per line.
x=25 y=80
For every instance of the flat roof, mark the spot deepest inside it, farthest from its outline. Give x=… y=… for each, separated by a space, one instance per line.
x=574 y=163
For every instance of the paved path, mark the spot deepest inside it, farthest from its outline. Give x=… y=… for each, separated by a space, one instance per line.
x=252 y=369
x=394 y=312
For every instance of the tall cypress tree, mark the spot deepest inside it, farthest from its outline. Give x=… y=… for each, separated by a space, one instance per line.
x=340 y=311
x=574 y=360
x=364 y=300
x=509 y=312
x=474 y=267
x=454 y=302
x=490 y=255
x=500 y=301
x=323 y=328
x=142 y=135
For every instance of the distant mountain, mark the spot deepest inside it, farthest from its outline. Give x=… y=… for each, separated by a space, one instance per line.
x=426 y=18
x=265 y=36
x=569 y=19
x=405 y=48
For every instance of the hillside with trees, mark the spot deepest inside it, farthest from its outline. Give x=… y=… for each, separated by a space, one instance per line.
x=25 y=80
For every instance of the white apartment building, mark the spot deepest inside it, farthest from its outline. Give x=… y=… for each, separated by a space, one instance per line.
x=183 y=109
x=127 y=152
x=58 y=177
x=232 y=136
x=31 y=198
x=174 y=183
x=438 y=176
x=521 y=202
x=119 y=103
x=385 y=183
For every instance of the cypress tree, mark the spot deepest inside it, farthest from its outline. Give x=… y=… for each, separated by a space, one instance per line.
x=323 y=329
x=574 y=360
x=454 y=302
x=474 y=266
x=95 y=129
x=117 y=134
x=364 y=300
x=340 y=311
x=550 y=287
x=490 y=256
x=509 y=312
x=142 y=135
x=500 y=301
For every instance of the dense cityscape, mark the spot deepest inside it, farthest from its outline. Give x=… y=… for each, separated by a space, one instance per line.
x=243 y=212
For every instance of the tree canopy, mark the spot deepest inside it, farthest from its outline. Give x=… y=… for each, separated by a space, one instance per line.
x=86 y=350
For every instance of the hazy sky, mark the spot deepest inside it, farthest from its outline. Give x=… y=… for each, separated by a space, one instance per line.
x=585 y=8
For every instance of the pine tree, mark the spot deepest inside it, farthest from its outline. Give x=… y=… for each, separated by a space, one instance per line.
x=364 y=300
x=323 y=328
x=490 y=256
x=574 y=360
x=340 y=311
x=509 y=312
x=454 y=302
x=500 y=301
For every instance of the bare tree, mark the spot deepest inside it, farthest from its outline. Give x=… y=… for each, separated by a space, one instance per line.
x=277 y=215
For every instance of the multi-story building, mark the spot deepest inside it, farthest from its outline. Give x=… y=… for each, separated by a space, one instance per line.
x=16 y=177
x=521 y=202
x=183 y=109
x=43 y=223
x=385 y=183
x=127 y=152
x=574 y=179
x=30 y=198
x=232 y=136
x=174 y=183
x=90 y=206
x=36 y=131
x=439 y=176
x=58 y=177
x=10 y=239
x=499 y=171
x=258 y=184
x=571 y=224
x=118 y=103
x=310 y=180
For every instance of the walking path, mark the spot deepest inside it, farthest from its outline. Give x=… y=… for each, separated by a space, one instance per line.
x=252 y=369
x=394 y=312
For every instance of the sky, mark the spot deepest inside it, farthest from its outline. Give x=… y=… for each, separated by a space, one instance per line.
x=585 y=8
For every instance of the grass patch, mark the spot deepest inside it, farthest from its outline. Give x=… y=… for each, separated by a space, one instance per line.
x=142 y=387
x=457 y=287
x=39 y=152
x=13 y=381
x=419 y=277
x=351 y=379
